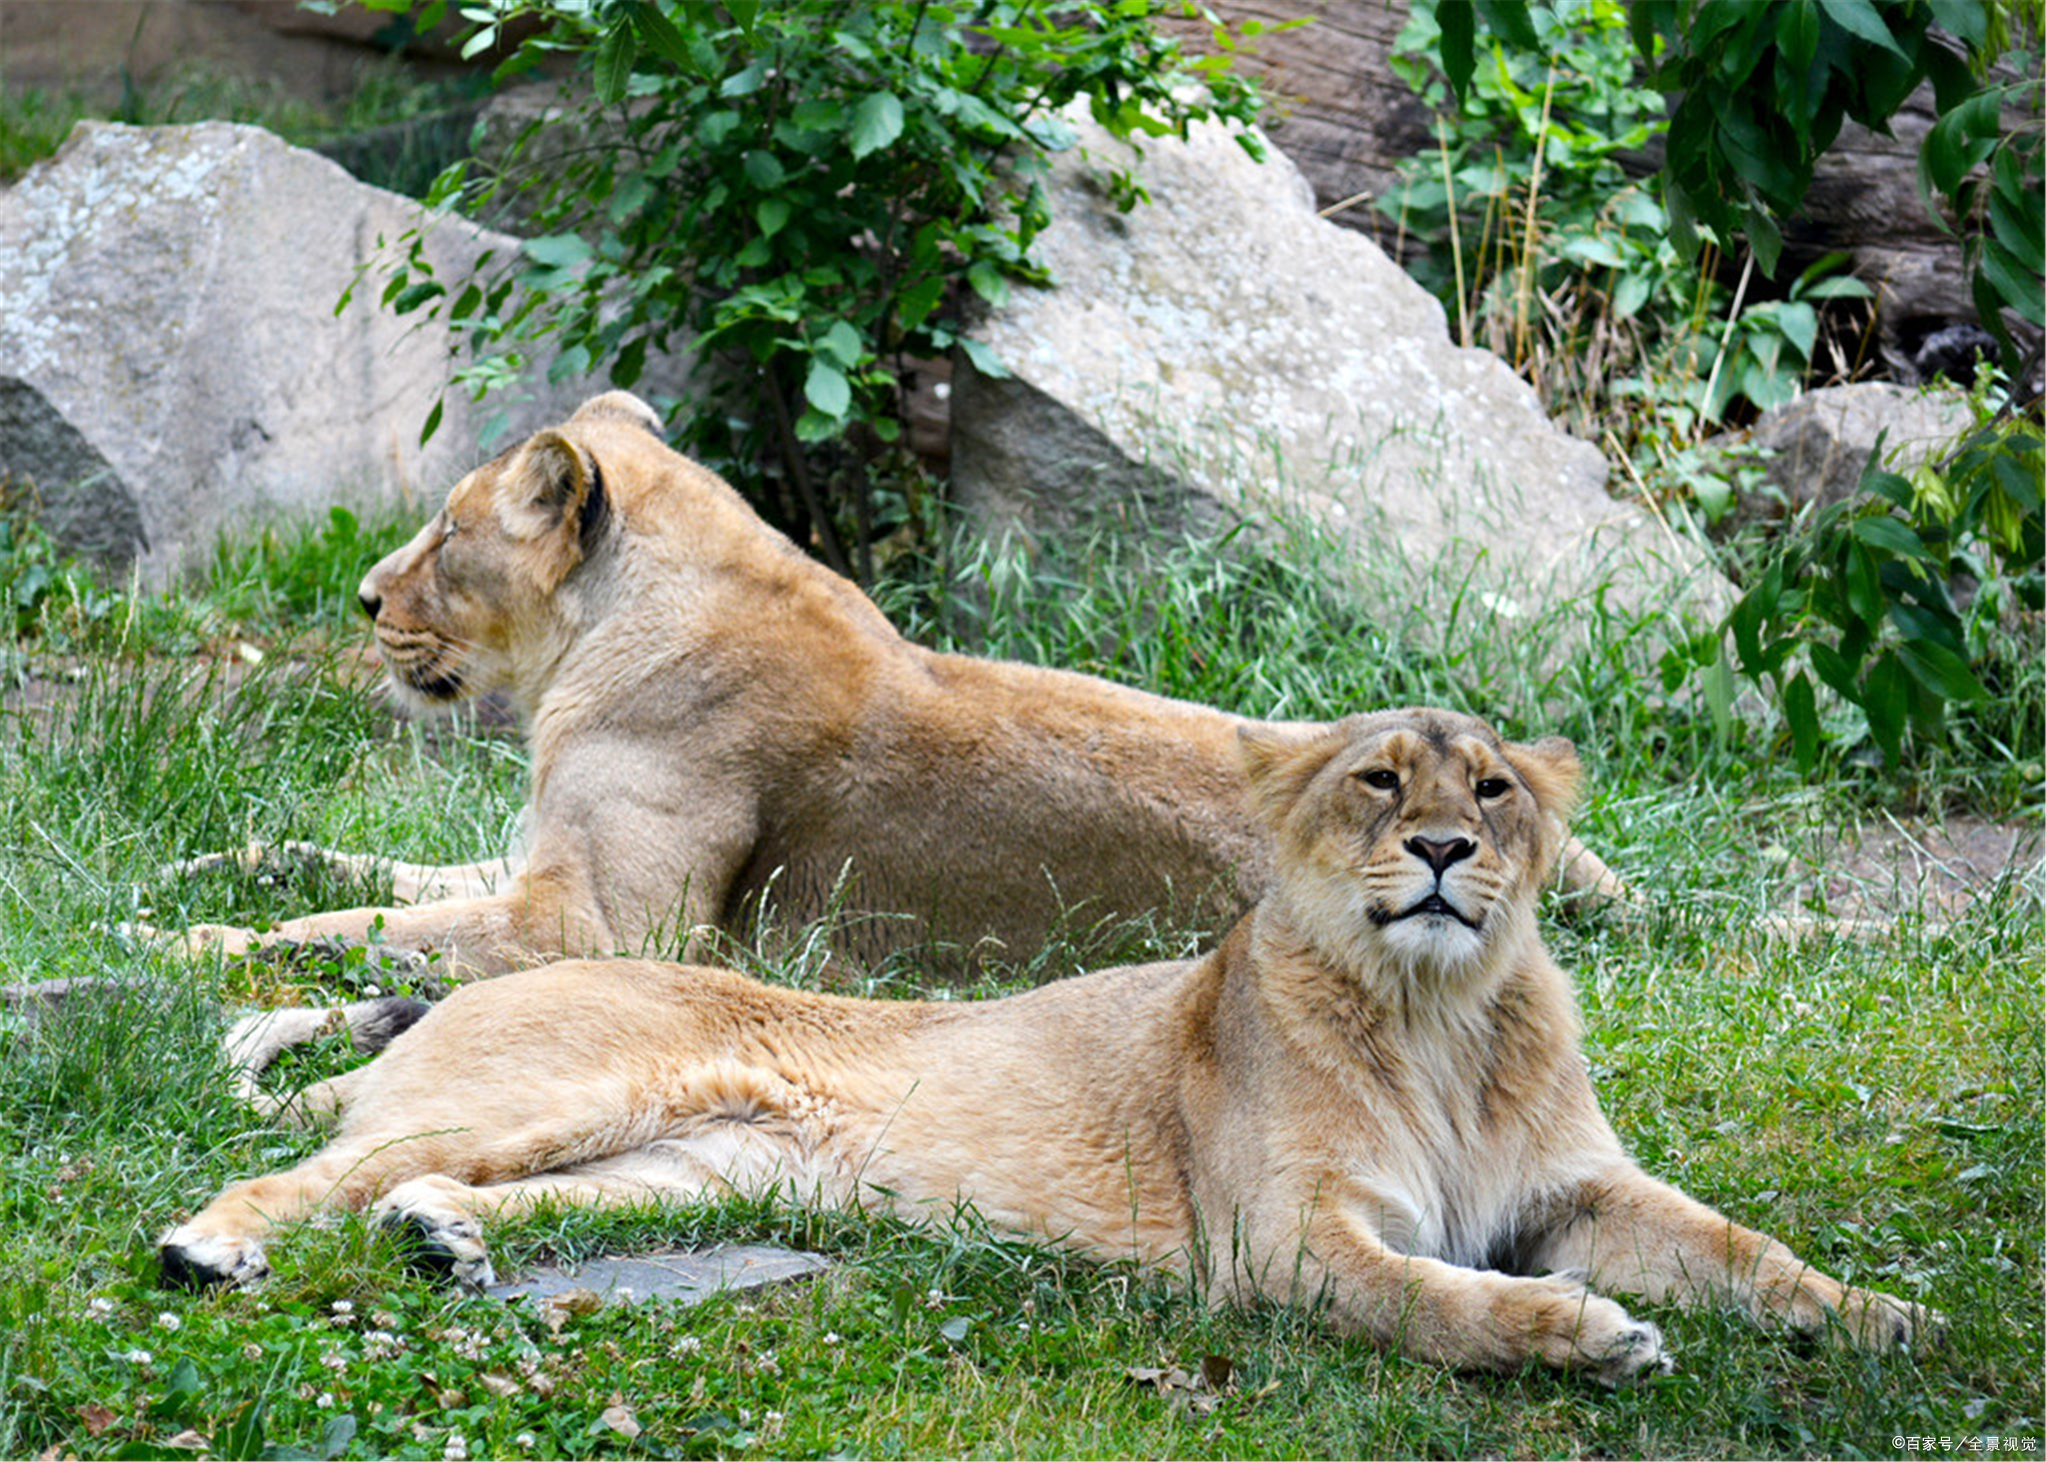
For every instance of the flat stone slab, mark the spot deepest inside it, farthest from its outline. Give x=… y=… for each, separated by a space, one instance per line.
x=687 y=1276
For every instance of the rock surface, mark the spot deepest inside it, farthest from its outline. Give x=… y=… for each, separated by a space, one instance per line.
x=686 y=1276
x=1817 y=445
x=1193 y=343
x=171 y=360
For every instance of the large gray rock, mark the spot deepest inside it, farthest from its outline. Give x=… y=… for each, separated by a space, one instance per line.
x=171 y=361
x=1817 y=445
x=1191 y=346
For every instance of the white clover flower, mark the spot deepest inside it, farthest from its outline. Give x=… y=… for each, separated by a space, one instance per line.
x=99 y=1307
x=689 y=1344
x=325 y=1401
x=168 y=1321
x=525 y=1441
x=832 y=1337
x=138 y=1357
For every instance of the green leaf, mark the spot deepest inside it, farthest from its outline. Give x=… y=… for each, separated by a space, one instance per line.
x=1458 y=21
x=432 y=422
x=411 y=299
x=842 y=344
x=1797 y=33
x=1941 y=671
x=1799 y=323
x=241 y=1440
x=826 y=388
x=876 y=123
x=772 y=214
x=764 y=169
x=745 y=81
x=661 y=37
x=817 y=114
x=1717 y=685
x=916 y=301
x=1892 y=536
x=1861 y=19
x=2021 y=291
x=336 y=1436
x=1886 y=701
x=1630 y=294
x=2016 y=228
x=987 y=282
x=1837 y=671
x=1958 y=141
x=556 y=251
x=1864 y=593
x=612 y=71
x=1967 y=19
x=983 y=359
x=1801 y=711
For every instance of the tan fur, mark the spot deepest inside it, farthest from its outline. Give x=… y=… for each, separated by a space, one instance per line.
x=713 y=715
x=1363 y=1095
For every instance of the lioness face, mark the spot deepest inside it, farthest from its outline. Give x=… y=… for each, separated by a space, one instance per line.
x=1414 y=839
x=471 y=604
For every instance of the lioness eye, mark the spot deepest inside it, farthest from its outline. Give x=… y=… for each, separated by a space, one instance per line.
x=1382 y=778
x=1492 y=787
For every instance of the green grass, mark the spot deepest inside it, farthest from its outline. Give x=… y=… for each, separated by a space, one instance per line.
x=1878 y=1105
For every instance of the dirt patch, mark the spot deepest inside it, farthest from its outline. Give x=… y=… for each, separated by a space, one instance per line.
x=1887 y=867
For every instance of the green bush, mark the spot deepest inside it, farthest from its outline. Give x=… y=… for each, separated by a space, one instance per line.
x=813 y=195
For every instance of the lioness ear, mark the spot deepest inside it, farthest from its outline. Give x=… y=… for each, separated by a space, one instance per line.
x=549 y=482
x=552 y=496
x=1553 y=771
x=619 y=406
x=1278 y=765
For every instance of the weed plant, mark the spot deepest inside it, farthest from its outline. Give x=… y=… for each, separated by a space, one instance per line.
x=1876 y=1104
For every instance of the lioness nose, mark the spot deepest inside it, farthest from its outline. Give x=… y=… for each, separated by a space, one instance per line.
x=1439 y=853
x=369 y=599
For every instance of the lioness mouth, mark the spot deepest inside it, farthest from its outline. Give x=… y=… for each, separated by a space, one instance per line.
x=1435 y=903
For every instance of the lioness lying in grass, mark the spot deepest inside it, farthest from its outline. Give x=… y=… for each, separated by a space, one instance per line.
x=1371 y=1092
x=714 y=717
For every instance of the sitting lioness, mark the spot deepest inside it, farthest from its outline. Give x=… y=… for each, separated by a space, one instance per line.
x=713 y=715
x=1372 y=1091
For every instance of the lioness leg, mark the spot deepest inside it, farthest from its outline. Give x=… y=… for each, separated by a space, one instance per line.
x=447 y=1215
x=1471 y=1318
x=1636 y=1235
x=524 y=925
x=223 y=1242
x=411 y=883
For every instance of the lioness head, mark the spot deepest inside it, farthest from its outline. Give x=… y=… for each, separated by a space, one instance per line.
x=1411 y=842
x=474 y=602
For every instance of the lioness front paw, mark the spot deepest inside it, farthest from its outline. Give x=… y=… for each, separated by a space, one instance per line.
x=1597 y=1334
x=194 y=1260
x=199 y=940
x=1882 y=1322
x=441 y=1237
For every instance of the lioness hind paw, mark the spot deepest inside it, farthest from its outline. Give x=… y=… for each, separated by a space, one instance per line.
x=197 y=1261
x=441 y=1247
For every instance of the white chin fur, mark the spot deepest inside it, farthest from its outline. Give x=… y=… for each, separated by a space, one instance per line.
x=1432 y=942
